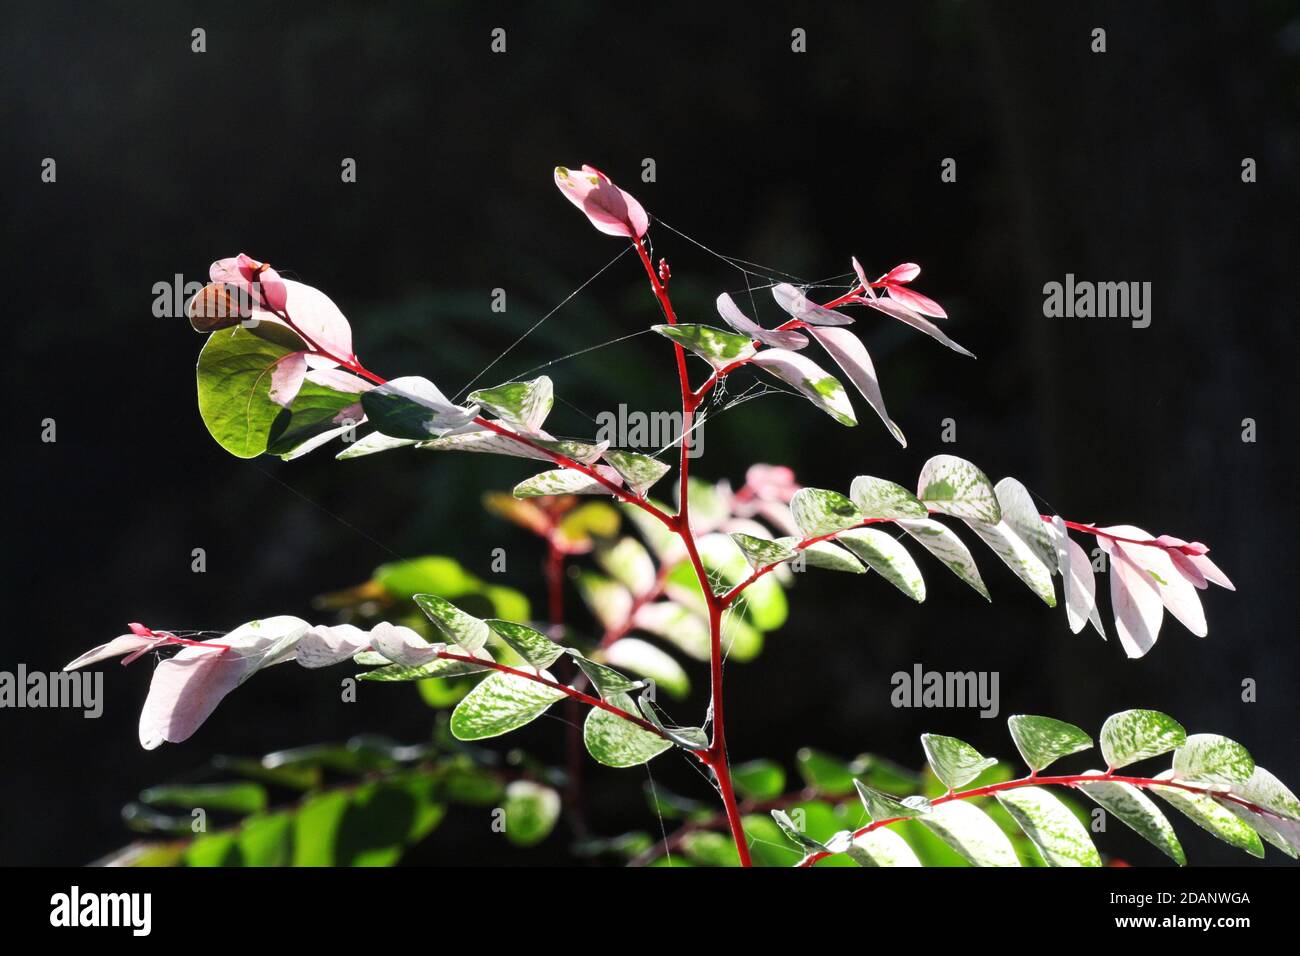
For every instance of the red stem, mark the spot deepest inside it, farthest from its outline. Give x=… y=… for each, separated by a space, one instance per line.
x=1071 y=780
x=716 y=755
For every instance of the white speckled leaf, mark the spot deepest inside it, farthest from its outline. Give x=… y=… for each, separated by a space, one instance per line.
x=1209 y=758
x=878 y=498
x=882 y=847
x=1265 y=790
x=817 y=512
x=942 y=542
x=1043 y=740
x=524 y=405
x=955 y=762
x=1058 y=834
x=759 y=552
x=811 y=380
x=617 y=742
x=460 y=628
x=827 y=555
x=532 y=645
x=882 y=806
x=1133 y=735
x=566 y=481
x=1210 y=816
x=883 y=553
x=953 y=486
x=500 y=703
x=372 y=444
x=716 y=346
x=1019 y=557
x=639 y=471
x=972 y=833
x=1136 y=810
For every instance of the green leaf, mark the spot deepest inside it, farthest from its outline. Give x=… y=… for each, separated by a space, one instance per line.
x=767 y=845
x=608 y=600
x=439 y=668
x=1057 y=832
x=796 y=835
x=607 y=681
x=824 y=773
x=234 y=381
x=458 y=627
x=309 y=419
x=639 y=471
x=882 y=806
x=955 y=487
x=242 y=798
x=1135 y=809
x=877 y=498
x=531 y=811
x=523 y=405
x=499 y=704
x=716 y=346
x=617 y=742
x=1210 y=816
x=1133 y=735
x=883 y=553
x=944 y=544
x=760 y=553
x=706 y=848
x=819 y=512
x=1213 y=759
x=532 y=645
x=1042 y=740
x=882 y=847
x=642 y=657
x=955 y=762
x=759 y=779
x=688 y=738
x=969 y=830
x=628 y=562
x=592 y=520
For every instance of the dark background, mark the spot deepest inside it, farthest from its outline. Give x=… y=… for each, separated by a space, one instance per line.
x=1120 y=166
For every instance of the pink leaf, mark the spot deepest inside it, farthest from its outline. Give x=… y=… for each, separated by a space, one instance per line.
x=287 y=378
x=1135 y=601
x=917 y=302
x=134 y=644
x=851 y=355
x=323 y=646
x=802 y=308
x=730 y=312
x=894 y=309
x=401 y=645
x=1176 y=591
x=901 y=273
x=610 y=209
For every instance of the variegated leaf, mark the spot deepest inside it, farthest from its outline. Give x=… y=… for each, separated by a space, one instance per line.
x=524 y=405
x=882 y=806
x=1133 y=735
x=881 y=847
x=1058 y=834
x=1019 y=557
x=533 y=646
x=639 y=471
x=460 y=628
x=811 y=380
x=1077 y=578
x=1020 y=514
x=616 y=741
x=1043 y=740
x=500 y=703
x=1210 y=816
x=826 y=555
x=953 y=486
x=1210 y=758
x=1136 y=810
x=716 y=346
x=972 y=833
x=759 y=552
x=878 y=498
x=884 y=554
x=942 y=542
x=566 y=481
x=820 y=512
x=955 y=762
x=372 y=444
